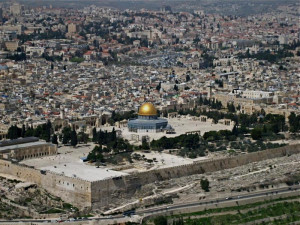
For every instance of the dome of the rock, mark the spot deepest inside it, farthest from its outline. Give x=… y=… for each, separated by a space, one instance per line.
x=147 y=109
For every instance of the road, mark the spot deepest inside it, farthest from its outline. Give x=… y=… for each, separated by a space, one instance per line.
x=219 y=200
x=157 y=210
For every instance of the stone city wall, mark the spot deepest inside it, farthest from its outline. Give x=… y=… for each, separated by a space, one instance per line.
x=215 y=165
x=109 y=191
x=72 y=190
x=113 y=191
x=23 y=172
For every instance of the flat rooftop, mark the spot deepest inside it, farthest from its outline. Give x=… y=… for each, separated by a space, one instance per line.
x=68 y=162
x=25 y=145
x=83 y=171
x=18 y=141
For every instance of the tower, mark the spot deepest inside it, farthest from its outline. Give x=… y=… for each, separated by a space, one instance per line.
x=209 y=91
x=1 y=14
x=62 y=114
x=72 y=28
x=16 y=9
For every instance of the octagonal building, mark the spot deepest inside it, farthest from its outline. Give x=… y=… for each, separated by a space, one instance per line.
x=148 y=121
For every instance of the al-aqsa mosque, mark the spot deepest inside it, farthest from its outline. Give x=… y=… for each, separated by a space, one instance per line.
x=148 y=121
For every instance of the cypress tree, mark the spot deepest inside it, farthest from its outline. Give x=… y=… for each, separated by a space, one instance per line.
x=66 y=133
x=54 y=139
x=205 y=185
x=74 y=138
x=94 y=134
x=23 y=131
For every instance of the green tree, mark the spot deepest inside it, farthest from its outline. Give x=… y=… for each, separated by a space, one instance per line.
x=235 y=130
x=54 y=139
x=158 y=87
x=74 y=140
x=294 y=122
x=66 y=134
x=82 y=137
x=23 y=132
x=17 y=57
x=77 y=59
x=256 y=133
x=94 y=134
x=145 y=144
x=187 y=78
x=113 y=135
x=231 y=107
x=265 y=130
x=96 y=155
x=47 y=130
x=14 y=132
x=160 y=220
x=176 y=87
x=204 y=185
x=29 y=132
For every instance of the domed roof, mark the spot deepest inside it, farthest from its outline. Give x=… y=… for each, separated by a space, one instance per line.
x=147 y=109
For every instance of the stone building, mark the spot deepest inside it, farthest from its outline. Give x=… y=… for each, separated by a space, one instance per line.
x=25 y=148
x=12 y=45
x=148 y=121
x=16 y=9
x=3 y=134
x=72 y=28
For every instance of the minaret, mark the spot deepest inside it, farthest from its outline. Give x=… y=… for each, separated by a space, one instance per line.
x=210 y=91
x=62 y=114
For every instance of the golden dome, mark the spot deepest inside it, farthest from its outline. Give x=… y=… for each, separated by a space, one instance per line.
x=147 y=109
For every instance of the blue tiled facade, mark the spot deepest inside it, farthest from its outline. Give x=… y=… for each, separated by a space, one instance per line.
x=147 y=124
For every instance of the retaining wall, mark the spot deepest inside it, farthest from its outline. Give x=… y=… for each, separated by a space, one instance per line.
x=107 y=191
x=101 y=193
x=72 y=190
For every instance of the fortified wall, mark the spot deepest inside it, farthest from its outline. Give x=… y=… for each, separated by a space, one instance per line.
x=110 y=190
x=72 y=190
x=101 y=193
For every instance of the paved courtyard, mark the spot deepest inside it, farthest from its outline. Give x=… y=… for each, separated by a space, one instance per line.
x=68 y=160
x=181 y=126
